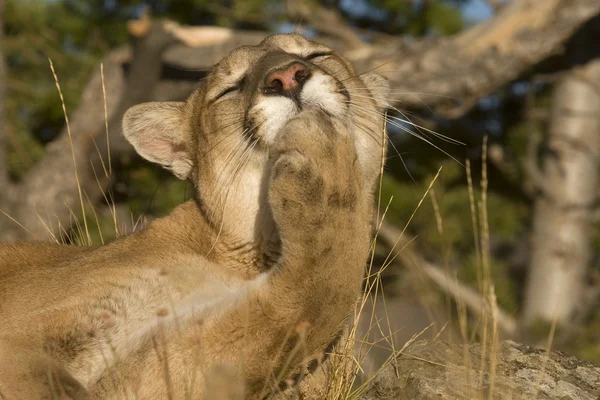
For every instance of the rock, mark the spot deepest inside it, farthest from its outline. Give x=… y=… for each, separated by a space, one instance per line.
x=437 y=370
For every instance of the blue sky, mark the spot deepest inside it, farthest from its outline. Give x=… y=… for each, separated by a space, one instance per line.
x=473 y=10
x=477 y=10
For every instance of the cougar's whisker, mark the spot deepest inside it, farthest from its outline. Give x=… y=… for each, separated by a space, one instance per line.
x=405 y=129
x=419 y=127
x=445 y=138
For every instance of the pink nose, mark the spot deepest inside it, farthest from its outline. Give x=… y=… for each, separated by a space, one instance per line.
x=286 y=80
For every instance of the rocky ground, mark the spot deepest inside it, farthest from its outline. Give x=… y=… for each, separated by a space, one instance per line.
x=437 y=370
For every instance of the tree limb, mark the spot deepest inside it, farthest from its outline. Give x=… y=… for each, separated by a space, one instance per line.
x=446 y=74
x=452 y=73
x=49 y=191
x=148 y=45
x=325 y=20
x=473 y=300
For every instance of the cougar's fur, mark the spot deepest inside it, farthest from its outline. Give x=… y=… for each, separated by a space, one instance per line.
x=235 y=291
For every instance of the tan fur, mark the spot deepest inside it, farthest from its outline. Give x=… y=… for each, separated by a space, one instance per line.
x=234 y=293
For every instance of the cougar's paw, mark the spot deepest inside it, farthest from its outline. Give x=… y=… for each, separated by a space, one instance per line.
x=316 y=134
x=315 y=170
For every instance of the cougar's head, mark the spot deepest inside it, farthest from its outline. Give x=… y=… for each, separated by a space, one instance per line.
x=220 y=137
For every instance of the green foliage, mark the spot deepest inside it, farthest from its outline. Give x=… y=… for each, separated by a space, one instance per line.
x=587 y=345
x=419 y=18
x=504 y=286
x=454 y=207
x=34 y=32
x=143 y=191
x=443 y=18
x=506 y=218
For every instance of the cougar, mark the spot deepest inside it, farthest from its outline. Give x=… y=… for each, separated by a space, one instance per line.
x=242 y=290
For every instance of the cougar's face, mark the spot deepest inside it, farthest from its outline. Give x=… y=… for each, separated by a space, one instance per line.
x=266 y=85
x=253 y=92
x=222 y=134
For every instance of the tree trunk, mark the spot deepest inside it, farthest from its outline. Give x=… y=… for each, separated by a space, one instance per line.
x=561 y=239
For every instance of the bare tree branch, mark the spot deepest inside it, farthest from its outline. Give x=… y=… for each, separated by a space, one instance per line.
x=326 y=20
x=496 y=5
x=49 y=190
x=447 y=74
x=474 y=301
x=450 y=74
x=149 y=43
x=49 y=195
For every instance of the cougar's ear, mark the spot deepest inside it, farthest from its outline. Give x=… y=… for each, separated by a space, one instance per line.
x=156 y=131
x=379 y=88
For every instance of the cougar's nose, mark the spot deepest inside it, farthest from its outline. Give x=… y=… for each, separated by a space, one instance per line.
x=287 y=79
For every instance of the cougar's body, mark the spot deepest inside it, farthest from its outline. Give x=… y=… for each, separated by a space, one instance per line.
x=251 y=280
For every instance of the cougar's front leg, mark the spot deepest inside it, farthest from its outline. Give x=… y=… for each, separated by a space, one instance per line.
x=321 y=211
x=323 y=215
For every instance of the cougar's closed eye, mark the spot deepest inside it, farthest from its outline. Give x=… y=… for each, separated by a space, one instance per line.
x=235 y=87
x=317 y=55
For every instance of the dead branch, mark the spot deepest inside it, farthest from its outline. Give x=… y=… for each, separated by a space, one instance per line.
x=496 y=5
x=48 y=195
x=447 y=74
x=325 y=20
x=201 y=36
x=144 y=73
x=49 y=190
x=452 y=73
x=473 y=300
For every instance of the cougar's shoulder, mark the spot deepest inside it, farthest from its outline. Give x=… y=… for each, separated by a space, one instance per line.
x=18 y=256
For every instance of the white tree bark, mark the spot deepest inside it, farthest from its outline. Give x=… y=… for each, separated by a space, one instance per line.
x=561 y=236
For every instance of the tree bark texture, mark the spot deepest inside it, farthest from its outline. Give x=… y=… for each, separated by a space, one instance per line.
x=562 y=222
x=451 y=74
